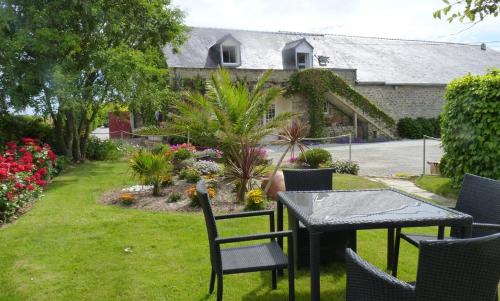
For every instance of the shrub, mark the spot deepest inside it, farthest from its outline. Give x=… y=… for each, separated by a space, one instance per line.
x=151 y=169
x=416 y=128
x=206 y=167
x=255 y=200
x=13 y=128
x=315 y=157
x=61 y=164
x=25 y=170
x=174 y=197
x=210 y=153
x=471 y=126
x=190 y=174
x=345 y=167
x=160 y=148
x=182 y=154
x=99 y=150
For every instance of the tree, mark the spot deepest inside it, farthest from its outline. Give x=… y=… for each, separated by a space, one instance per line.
x=67 y=59
x=473 y=10
x=230 y=109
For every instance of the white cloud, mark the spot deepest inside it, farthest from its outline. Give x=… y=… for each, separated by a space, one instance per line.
x=407 y=19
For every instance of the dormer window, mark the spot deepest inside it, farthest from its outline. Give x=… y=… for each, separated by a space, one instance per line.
x=229 y=55
x=298 y=54
x=302 y=60
x=227 y=51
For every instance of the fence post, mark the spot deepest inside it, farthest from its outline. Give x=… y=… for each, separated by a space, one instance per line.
x=350 y=145
x=423 y=159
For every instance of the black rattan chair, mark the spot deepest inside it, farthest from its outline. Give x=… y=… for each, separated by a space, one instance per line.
x=448 y=270
x=254 y=258
x=332 y=243
x=480 y=198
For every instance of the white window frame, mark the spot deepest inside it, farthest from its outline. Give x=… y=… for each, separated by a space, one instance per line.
x=236 y=53
x=306 y=60
x=270 y=114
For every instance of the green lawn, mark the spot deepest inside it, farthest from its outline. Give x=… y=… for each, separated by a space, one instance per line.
x=438 y=185
x=70 y=247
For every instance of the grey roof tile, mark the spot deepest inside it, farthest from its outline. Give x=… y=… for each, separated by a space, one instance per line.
x=376 y=59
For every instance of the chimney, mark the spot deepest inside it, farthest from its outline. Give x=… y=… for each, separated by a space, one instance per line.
x=483 y=46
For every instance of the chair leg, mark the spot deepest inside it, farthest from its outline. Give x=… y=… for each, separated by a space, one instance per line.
x=219 y=287
x=395 y=258
x=274 y=280
x=212 y=282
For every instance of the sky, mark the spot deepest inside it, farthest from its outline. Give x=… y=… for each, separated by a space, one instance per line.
x=406 y=19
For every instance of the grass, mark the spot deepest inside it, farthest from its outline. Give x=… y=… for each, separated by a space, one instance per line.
x=71 y=247
x=438 y=185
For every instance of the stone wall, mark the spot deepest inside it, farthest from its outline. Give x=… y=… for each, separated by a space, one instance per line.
x=401 y=101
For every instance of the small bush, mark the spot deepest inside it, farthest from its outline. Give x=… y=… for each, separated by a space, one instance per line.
x=345 y=167
x=416 y=128
x=61 y=164
x=13 y=128
x=160 y=149
x=206 y=167
x=182 y=154
x=255 y=200
x=190 y=174
x=174 y=197
x=315 y=157
x=99 y=150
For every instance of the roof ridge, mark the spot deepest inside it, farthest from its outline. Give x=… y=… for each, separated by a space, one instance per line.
x=337 y=35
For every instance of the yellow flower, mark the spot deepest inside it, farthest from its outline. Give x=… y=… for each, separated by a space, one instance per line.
x=127 y=197
x=255 y=196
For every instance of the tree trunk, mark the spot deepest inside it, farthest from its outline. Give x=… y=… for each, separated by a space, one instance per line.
x=242 y=190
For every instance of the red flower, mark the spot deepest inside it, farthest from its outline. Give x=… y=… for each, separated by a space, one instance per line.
x=3 y=173
x=41 y=160
x=43 y=171
x=30 y=187
x=28 y=141
x=42 y=183
x=19 y=185
x=52 y=156
x=12 y=145
x=9 y=195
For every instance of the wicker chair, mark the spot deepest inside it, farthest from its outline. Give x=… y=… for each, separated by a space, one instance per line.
x=448 y=270
x=332 y=243
x=480 y=198
x=253 y=258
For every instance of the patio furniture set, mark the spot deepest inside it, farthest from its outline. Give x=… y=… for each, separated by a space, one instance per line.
x=323 y=225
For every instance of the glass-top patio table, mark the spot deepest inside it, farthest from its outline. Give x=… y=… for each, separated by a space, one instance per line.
x=323 y=211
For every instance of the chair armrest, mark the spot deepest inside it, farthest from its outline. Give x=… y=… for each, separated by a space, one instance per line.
x=484 y=226
x=234 y=239
x=367 y=282
x=245 y=214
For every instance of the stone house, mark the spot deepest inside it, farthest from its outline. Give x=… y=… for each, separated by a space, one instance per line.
x=404 y=78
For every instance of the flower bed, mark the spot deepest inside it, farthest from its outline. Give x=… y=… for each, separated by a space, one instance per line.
x=25 y=169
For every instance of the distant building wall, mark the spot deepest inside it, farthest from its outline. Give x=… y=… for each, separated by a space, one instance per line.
x=406 y=100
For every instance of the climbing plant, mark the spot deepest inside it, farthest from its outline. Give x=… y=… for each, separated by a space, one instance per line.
x=313 y=84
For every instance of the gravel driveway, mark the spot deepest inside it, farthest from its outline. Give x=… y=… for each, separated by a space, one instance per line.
x=381 y=159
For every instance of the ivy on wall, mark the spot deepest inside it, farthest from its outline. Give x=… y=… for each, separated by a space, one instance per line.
x=315 y=83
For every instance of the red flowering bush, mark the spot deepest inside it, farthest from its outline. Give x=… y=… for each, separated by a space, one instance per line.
x=25 y=169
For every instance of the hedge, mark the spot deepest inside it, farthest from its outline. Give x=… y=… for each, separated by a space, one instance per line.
x=416 y=128
x=471 y=127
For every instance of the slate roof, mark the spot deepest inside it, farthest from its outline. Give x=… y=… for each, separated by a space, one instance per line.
x=376 y=59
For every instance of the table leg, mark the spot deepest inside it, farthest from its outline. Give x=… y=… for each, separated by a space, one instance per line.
x=314 y=260
x=280 y=222
x=390 y=247
x=441 y=232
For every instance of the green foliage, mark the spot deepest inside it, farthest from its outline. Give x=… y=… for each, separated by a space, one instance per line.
x=99 y=150
x=174 y=197
x=472 y=10
x=13 y=128
x=79 y=56
x=229 y=111
x=439 y=185
x=315 y=83
x=182 y=154
x=344 y=167
x=160 y=149
x=471 y=127
x=62 y=163
x=416 y=128
x=150 y=169
x=190 y=174
x=315 y=157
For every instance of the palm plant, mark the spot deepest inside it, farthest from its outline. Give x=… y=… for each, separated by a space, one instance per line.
x=243 y=167
x=230 y=109
x=291 y=135
x=150 y=169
